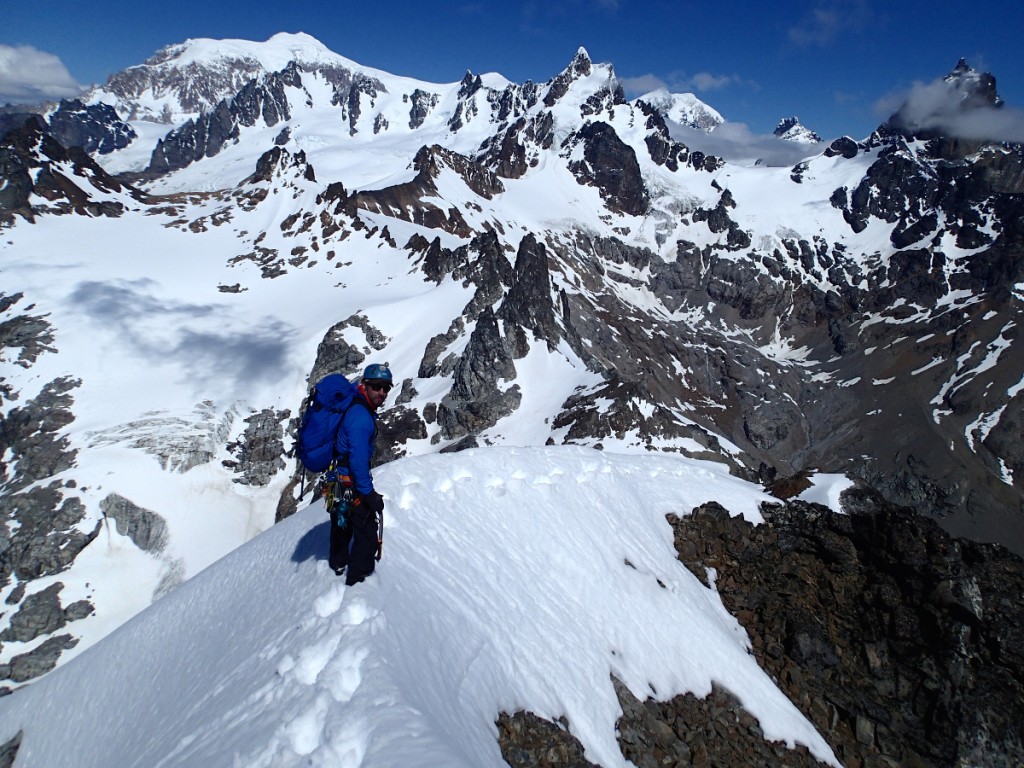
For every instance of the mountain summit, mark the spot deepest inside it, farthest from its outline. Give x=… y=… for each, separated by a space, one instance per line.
x=185 y=80
x=684 y=108
x=790 y=129
x=963 y=104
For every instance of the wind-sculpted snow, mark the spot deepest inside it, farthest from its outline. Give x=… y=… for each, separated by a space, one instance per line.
x=510 y=578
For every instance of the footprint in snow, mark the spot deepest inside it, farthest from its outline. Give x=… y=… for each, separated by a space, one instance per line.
x=329 y=602
x=313 y=659
x=344 y=674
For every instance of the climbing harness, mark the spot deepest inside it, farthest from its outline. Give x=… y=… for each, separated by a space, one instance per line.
x=339 y=492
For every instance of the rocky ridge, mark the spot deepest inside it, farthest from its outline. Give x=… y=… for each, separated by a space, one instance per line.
x=41 y=175
x=899 y=642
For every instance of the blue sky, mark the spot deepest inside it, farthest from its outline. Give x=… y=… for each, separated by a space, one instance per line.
x=841 y=65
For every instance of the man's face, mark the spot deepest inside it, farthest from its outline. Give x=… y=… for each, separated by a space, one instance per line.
x=376 y=392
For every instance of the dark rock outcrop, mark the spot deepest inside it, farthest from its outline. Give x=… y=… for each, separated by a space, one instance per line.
x=899 y=642
x=610 y=165
x=93 y=128
x=479 y=396
x=421 y=103
x=33 y=164
x=528 y=305
x=336 y=355
x=46 y=539
x=528 y=741
x=261 y=449
x=408 y=201
x=38 y=661
x=9 y=750
x=146 y=529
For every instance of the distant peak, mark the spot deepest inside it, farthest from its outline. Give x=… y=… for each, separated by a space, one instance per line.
x=273 y=54
x=295 y=37
x=948 y=106
x=683 y=108
x=790 y=129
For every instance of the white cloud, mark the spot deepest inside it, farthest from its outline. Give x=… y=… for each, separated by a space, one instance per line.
x=705 y=81
x=736 y=143
x=677 y=82
x=829 y=19
x=634 y=86
x=28 y=74
x=939 y=106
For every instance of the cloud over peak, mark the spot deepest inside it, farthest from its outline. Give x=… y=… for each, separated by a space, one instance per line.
x=945 y=107
x=679 y=82
x=30 y=75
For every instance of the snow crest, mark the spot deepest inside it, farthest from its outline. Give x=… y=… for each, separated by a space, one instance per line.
x=511 y=578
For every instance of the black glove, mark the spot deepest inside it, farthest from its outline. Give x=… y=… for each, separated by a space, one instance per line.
x=373 y=502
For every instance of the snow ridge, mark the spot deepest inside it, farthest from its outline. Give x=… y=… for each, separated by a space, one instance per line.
x=492 y=595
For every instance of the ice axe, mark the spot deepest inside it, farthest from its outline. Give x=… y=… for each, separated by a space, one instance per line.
x=380 y=535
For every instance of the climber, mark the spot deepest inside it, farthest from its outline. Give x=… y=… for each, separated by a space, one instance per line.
x=355 y=543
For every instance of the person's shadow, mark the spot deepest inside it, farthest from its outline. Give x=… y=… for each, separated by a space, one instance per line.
x=314 y=544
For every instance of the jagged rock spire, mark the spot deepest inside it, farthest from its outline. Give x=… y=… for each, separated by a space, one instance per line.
x=939 y=108
x=791 y=129
x=977 y=88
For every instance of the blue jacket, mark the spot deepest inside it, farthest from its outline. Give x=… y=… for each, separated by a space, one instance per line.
x=356 y=443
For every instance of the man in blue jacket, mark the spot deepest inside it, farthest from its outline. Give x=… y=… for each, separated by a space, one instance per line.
x=354 y=543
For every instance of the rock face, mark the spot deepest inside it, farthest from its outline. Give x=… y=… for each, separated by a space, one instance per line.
x=410 y=201
x=39 y=174
x=41 y=531
x=46 y=537
x=611 y=165
x=477 y=399
x=146 y=529
x=899 y=642
x=95 y=128
x=261 y=448
x=206 y=135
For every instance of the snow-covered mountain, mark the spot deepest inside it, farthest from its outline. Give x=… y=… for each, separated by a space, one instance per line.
x=540 y=264
x=181 y=82
x=790 y=129
x=684 y=109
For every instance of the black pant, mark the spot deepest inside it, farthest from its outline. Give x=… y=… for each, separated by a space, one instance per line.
x=354 y=544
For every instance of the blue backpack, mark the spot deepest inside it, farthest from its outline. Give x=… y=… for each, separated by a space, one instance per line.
x=326 y=405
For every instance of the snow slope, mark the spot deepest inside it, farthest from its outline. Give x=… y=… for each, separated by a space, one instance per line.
x=512 y=578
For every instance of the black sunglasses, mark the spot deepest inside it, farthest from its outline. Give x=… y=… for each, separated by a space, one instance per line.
x=378 y=386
